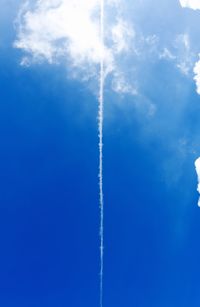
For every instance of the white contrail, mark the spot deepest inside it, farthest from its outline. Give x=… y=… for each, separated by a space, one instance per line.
x=100 y=130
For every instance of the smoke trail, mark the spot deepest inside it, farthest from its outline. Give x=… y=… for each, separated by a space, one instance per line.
x=100 y=130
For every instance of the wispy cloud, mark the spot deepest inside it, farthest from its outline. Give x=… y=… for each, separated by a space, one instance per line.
x=167 y=54
x=197 y=167
x=195 y=5
x=197 y=76
x=185 y=56
x=192 y=4
x=122 y=86
x=180 y=53
x=68 y=31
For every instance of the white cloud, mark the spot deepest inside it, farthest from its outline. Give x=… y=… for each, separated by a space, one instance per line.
x=180 y=53
x=195 y=5
x=167 y=54
x=68 y=30
x=192 y=4
x=51 y=28
x=120 y=85
x=185 y=56
x=197 y=76
x=121 y=35
x=197 y=167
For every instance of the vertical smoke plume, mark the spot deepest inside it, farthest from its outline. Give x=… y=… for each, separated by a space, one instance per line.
x=59 y=37
x=100 y=130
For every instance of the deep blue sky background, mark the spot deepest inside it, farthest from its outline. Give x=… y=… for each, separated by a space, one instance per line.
x=49 y=215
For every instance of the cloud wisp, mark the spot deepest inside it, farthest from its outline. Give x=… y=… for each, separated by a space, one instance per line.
x=192 y=4
x=197 y=167
x=197 y=76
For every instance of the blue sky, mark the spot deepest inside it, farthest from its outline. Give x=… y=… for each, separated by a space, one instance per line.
x=49 y=202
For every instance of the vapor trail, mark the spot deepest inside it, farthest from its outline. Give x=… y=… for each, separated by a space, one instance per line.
x=100 y=131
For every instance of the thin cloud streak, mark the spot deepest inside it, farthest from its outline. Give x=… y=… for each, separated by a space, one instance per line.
x=197 y=167
x=197 y=76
